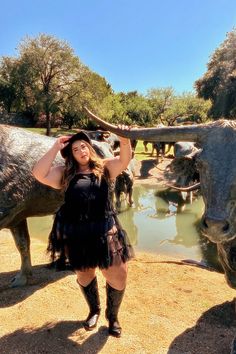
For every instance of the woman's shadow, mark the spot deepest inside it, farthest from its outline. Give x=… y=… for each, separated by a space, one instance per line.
x=212 y=334
x=62 y=337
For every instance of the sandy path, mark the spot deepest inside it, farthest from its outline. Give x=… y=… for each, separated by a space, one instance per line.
x=168 y=308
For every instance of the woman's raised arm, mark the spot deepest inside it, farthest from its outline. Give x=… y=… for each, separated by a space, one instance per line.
x=118 y=164
x=43 y=170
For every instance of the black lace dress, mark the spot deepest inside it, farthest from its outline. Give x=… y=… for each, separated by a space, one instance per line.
x=83 y=226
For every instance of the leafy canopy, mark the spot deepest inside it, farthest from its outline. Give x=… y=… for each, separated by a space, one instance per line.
x=218 y=84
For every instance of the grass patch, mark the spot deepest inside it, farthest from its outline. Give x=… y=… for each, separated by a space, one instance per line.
x=140 y=153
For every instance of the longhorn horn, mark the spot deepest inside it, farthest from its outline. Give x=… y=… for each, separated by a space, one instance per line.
x=185 y=189
x=171 y=134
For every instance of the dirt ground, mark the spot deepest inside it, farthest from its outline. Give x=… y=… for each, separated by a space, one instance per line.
x=169 y=307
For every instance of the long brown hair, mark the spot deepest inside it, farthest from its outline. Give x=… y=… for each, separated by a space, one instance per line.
x=71 y=166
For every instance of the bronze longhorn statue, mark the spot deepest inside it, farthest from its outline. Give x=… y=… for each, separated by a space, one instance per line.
x=216 y=165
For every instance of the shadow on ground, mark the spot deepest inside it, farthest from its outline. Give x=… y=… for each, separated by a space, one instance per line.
x=146 y=166
x=65 y=336
x=42 y=276
x=212 y=334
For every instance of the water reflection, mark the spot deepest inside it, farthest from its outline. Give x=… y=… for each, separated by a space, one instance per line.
x=158 y=223
x=155 y=224
x=161 y=223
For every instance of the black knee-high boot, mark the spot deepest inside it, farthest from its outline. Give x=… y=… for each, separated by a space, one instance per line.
x=92 y=298
x=114 y=299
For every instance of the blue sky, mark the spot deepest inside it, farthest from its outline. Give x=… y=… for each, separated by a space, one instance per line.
x=134 y=44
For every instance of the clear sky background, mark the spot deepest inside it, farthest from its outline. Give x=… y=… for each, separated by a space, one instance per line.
x=134 y=44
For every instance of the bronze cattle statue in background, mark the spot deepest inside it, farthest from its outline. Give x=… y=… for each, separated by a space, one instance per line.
x=21 y=196
x=216 y=165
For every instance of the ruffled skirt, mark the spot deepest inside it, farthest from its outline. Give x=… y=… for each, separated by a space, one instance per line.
x=89 y=244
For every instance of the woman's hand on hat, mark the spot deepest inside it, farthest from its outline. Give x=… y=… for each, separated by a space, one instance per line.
x=61 y=142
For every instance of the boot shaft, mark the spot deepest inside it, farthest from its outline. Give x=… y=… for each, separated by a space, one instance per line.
x=114 y=300
x=91 y=295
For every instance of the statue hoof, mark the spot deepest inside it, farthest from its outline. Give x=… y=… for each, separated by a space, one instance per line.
x=18 y=281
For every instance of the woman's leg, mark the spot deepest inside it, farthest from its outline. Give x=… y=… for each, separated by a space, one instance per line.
x=85 y=277
x=88 y=283
x=116 y=277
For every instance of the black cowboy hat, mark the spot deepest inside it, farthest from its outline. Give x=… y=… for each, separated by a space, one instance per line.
x=81 y=135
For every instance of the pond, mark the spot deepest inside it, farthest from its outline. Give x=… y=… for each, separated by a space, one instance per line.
x=157 y=223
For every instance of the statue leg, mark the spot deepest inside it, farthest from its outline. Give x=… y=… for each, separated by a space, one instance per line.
x=22 y=240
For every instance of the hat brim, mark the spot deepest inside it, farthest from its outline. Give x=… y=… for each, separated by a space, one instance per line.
x=78 y=136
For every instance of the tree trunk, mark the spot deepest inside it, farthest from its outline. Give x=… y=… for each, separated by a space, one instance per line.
x=48 y=124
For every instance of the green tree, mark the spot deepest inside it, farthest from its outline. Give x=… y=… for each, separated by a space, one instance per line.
x=218 y=84
x=186 y=108
x=8 y=83
x=160 y=99
x=48 y=79
x=112 y=109
x=49 y=71
x=169 y=108
x=136 y=109
x=92 y=91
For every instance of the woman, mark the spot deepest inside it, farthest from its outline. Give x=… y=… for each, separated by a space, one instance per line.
x=86 y=228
